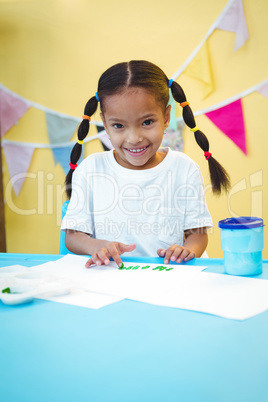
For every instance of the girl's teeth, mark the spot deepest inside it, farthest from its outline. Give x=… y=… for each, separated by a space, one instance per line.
x=136 y=150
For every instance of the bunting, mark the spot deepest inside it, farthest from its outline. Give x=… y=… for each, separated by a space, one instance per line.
x=263 y=89
x=233 y=20
x=62 y=156
x=200 y=69
x=59 y=128
x=230 y=120
x=105 y=139
x=11 y=110
x=173 y=138
x=226 y=115
x=18 y=161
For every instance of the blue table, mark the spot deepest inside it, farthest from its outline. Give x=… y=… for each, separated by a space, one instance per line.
x=129 y=351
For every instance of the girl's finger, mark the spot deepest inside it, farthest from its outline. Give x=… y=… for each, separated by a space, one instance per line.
x=169 y=253
x=103 y=256
x=161 y=252
x=189 y=257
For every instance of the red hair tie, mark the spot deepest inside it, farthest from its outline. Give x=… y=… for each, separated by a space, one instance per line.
x=207 y=155
x=72 y=166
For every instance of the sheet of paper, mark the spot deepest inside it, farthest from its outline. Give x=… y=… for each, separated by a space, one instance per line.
x=178 y=286
x=137 y=281
x=226 y=296
x=39 y=278
x=83 y=298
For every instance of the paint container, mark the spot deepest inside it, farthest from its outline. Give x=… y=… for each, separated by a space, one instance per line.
x=242 y=242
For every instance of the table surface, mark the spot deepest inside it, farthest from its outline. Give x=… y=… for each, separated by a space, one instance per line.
x=129 y=351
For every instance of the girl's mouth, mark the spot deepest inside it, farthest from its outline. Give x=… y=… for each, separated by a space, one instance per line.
x=136 y=151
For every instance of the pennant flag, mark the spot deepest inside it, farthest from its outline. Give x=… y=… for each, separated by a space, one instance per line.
x=173 y=138
x=12 y=108
x=60 y=129
x=233 y=20
x=230 y=120
x=62 y=156
x=263 y=90
x=18 y=160
x=104 y=138
x=200 y=69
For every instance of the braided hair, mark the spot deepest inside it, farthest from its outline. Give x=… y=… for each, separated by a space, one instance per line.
x=143 y=74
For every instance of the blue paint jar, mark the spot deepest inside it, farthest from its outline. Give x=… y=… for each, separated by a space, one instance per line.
x=242 y=242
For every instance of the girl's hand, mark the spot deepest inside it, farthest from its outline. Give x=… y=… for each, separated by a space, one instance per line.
x=110 y=250
x=176 y=253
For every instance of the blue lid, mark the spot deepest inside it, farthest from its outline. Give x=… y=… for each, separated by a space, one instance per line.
x=242 y=222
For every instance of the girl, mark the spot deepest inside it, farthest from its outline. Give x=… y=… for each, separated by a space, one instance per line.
x=138 y=197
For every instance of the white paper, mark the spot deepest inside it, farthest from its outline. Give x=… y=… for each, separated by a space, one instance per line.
x=185 y=286
x=109 y=279
x=45 y=284
x=226 y=296
x=82 y=298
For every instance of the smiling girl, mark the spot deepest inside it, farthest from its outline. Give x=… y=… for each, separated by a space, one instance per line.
x=138 y=198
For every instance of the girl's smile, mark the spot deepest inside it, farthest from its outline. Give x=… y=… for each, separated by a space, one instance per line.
x=135 y=122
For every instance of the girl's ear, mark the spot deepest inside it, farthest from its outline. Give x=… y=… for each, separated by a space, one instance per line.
x=167 y=116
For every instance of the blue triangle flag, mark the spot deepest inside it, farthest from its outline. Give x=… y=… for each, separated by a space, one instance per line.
x=60 y=129
x=62 y=156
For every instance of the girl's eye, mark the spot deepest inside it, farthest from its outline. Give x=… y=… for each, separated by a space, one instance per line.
x=118 y=125
x=147 y=122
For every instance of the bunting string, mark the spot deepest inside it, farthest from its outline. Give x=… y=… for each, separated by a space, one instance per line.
x=45 y=109
x=227 y=20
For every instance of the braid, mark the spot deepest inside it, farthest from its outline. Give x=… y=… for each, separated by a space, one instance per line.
x=218 y=176
x=83 y=130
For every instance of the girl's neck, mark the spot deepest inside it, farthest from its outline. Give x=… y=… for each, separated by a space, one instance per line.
x=157 y=158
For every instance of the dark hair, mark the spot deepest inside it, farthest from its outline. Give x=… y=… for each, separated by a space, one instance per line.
x=140 y=73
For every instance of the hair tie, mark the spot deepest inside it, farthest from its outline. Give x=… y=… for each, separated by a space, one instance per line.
x=183 y=104
x=194 y=129
x=207 y=155
x=85 y=117
x=72 y=166
x=97 y=96
x=170 y=82
x=79 y=141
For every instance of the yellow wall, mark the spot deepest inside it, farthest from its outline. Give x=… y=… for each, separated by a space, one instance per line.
x=52 y=53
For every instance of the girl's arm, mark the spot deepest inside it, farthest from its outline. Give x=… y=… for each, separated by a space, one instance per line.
x=100 y=250
x=194 y=245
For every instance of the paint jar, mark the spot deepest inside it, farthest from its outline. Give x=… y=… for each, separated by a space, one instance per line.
x=242 y=242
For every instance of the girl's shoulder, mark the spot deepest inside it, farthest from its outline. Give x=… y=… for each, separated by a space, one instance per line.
x=181 y=160
x=98 y=159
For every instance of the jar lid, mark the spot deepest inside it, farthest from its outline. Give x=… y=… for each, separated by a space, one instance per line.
x=242 y=222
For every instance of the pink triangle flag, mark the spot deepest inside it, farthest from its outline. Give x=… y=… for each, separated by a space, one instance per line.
x=12 y=109
x=233 y=20
x=230 y=120
x=18 y=160
x=264 y=89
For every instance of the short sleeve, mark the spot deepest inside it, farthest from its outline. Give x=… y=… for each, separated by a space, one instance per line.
x=79 y=215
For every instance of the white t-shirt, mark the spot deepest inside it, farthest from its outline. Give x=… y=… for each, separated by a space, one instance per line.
x=150 y=207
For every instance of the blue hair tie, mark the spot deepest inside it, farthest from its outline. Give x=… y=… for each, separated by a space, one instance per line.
x=97 y=96
x=170 y=82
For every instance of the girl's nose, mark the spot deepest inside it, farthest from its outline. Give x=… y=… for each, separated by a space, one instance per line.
x=134 y=137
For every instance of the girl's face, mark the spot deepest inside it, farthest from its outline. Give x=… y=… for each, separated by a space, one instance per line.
x=135 y=122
